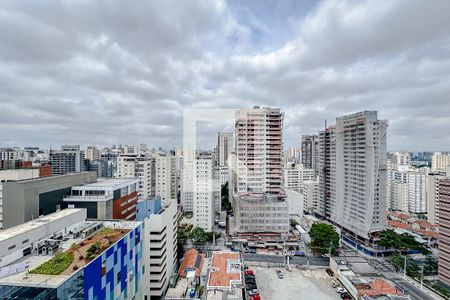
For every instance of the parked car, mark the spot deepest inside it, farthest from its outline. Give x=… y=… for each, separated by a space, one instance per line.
x=251 y=286
x=280 y=274
x=248 y=276
x=249 y=272
x=346 y=296
x=340 y=290
x=298 y=253
x=255 y=297
x=330 y=272
x=253 y=292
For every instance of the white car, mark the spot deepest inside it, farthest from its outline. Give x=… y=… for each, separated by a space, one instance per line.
x=334 y=284
x=340 y=290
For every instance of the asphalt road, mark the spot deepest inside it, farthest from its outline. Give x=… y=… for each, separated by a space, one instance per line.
x=313 y=261
x=413 y=291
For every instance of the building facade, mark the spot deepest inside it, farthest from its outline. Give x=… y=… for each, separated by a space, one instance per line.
x=440 y=161
x=70 y=159
x=310 y=153
x=224 y=147
x=295 y=175
x=444 y=231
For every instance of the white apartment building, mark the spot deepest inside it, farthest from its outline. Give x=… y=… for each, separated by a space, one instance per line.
x=358 y=187
x=187 y=186
x=399 y=196
x=166 y=181
x=92 y=153
x=259 y=150
x=160 y=250
x=138 y=166
x=295 y=175
x=400 y=158
x=311 y=200
x=417 y=192
x=225 y=145
x=440 y=161
x=205 y=192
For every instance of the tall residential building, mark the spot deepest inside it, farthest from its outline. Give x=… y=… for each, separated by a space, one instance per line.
x=70 y=159
x=166 y=177
x=399 y=196
x=327 y=170
x=310 y=153
x=444 y=230
x=138 y=166
x=92 y=153
x=224 y=147
x=260 y=202
x=204 y=192
x=417 y=192
x=440 y=161
x=358 y=186
x=311 y=199
x=293 y=155
x=433 y=196
x=259 y=150
x=400 y=158
x=295 y=175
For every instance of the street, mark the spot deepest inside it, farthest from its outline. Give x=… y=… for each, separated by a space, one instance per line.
x=314 y=261
x=415 y=292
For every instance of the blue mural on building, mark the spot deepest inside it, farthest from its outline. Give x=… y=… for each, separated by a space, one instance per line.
x=117 y=272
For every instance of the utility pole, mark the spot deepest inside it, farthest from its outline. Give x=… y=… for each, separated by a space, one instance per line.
x=404 y=269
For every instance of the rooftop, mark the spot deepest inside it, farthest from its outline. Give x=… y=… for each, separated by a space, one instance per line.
x=225 y=270
x=19 y=229
x=192 y=260
x=112 y=183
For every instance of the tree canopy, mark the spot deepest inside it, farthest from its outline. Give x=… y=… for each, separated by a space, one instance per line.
x=401 y=242
x=225 y=201
x=323 y=236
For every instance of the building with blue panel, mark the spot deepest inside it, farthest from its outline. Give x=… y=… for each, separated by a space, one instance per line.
x=148 y=207
x=106 y=258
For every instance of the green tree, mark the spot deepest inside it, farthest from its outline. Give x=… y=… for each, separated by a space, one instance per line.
x=225 y=201
x=198 y=235
x=293 y=222
x=323 y=236
x=401 y=242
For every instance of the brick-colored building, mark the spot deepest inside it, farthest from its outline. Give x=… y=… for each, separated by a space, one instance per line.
x=107 y=199
x=45 y=171
x=444 y=230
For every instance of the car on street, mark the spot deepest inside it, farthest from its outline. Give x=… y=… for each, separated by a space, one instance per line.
x=253 y=292
x=298 y=253
x=251 y=286
x=334 y=283
x=346 y=296
x=249 y=272
x=280 y=274
x=340 y=290
x=329 y=272
x=255 y=297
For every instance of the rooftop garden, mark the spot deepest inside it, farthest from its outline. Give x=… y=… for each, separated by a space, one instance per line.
x=80 y=254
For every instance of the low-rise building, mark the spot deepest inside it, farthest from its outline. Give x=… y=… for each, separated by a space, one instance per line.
x=64 y=256
x=106 y=199
x=224 y=276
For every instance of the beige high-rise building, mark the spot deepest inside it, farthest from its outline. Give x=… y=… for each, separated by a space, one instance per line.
x=399 y=195
x=440 y=162
x=224 y=147
x=92 y=153
x=259 y=150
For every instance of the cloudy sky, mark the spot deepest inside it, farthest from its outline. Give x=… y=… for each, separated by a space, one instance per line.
x=106 y=72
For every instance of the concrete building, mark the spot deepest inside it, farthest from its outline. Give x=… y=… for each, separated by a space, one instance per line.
x=113 y=272
x=106 y=199
x=440 y=161
x=99 y=166
x=92 y=153
x=310 y=153
x=400 y=158
x=296 y=175
x=311 y=197
x=224 y=276
x=327 y=170
x=67 y=160
x=444 y=231
x=137 y=166
x=204 y=192
x=400 y=196
x=433 y=196
x=160 y=252
x=166 y=177
x=358 y=186
x=14 y=175
x=293 y=155
x=26 y=200
x=224 y=147
x=261 y=213
x=259 y=150
x=417 y=192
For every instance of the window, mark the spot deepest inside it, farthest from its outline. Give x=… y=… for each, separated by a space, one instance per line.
x=11 y=247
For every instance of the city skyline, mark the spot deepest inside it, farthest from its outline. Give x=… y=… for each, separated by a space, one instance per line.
x=125 y=77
